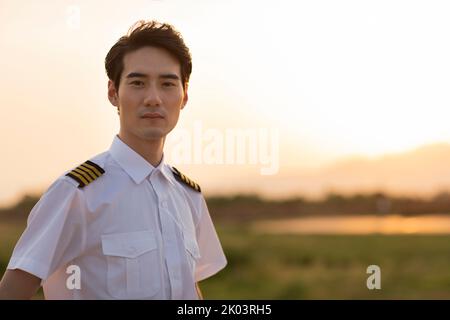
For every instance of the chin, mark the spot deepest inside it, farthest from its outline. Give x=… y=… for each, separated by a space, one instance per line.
x=153 y=134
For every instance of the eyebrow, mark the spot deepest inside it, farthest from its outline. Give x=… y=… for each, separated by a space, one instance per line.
x=161 y=76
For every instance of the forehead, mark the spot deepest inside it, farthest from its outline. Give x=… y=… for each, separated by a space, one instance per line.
x=151 y=61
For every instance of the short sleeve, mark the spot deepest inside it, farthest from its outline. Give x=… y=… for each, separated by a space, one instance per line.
x=54 y=234
x=212 y=258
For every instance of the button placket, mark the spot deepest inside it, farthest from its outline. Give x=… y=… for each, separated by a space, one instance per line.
x=164 y=263
x=168 y=233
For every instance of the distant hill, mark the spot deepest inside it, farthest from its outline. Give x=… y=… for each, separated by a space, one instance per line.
x=423 y=172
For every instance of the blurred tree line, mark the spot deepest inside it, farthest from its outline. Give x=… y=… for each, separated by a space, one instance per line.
x=244 y=208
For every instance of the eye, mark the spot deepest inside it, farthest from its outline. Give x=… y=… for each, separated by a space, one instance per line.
x=168 y=84
x=137 y=83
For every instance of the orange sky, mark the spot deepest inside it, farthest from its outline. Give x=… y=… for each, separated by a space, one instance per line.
x=332 y=79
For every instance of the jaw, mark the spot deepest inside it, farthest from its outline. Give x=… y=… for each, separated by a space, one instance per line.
x=153 y=134
x=149 y=137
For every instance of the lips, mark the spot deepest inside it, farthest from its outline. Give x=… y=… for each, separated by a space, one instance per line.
x=152 y=115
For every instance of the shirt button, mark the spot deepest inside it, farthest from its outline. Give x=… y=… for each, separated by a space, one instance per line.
x=164 y=204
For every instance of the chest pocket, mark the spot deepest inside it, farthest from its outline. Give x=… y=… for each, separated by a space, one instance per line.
x=134 y=264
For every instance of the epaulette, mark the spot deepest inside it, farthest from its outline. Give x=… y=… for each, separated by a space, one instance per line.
x=85 y=173
x=181 y=177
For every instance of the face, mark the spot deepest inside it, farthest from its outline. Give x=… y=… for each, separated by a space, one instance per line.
x=150 y=94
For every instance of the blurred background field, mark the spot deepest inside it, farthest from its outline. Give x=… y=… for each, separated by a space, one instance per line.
x=277 y=265
x=269 y=266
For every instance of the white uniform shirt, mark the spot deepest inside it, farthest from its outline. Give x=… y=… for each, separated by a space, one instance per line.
x=135 y=233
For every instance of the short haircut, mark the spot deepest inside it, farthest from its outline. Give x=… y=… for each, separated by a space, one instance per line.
x=148 y=34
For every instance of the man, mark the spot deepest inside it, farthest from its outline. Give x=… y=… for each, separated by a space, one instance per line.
x=124 y=224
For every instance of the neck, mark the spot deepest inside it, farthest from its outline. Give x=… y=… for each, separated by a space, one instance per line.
x=151 y=149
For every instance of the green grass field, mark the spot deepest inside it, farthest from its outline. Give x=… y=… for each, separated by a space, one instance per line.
x=316 y=267
x=330 y=267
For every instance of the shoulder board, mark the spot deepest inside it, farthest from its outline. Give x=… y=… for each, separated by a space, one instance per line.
x=85 y=173
x=181 y=177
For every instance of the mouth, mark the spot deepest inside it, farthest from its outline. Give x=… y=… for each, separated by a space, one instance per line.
x=152 y=115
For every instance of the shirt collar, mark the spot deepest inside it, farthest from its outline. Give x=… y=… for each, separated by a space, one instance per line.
x=134 y=164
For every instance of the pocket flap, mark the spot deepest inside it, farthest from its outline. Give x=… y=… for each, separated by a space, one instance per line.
x=128 y=244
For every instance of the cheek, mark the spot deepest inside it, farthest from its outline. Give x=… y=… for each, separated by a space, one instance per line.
x=129 y=100
x=174 y=108
x=129 y=103
x=173 y=98
x=175 y=116
x=173 y=104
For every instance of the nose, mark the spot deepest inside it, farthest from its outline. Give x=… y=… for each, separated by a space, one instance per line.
x=152 y=97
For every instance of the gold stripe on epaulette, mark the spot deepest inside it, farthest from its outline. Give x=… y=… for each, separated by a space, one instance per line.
x=86 y=173
x=183 y=178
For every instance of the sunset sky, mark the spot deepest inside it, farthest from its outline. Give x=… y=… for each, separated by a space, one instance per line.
x=333 y=79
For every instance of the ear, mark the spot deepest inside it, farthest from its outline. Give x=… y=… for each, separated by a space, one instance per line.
x=112 y=94
x=186 y=97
